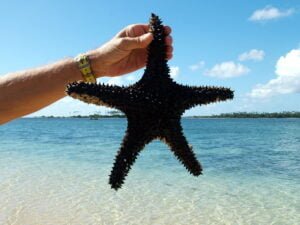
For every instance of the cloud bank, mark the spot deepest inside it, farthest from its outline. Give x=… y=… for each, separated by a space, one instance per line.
x=197 y=66
x=288 y=77
x=227 y=70
x=270 y=13
x=174 y=71
x=253 y=54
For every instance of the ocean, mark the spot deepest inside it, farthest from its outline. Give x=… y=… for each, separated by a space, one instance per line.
x=55 y=171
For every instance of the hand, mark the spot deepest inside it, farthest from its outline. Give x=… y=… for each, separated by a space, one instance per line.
x=126 y=52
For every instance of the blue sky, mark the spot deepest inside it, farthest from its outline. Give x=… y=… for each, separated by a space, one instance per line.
x=254 y=48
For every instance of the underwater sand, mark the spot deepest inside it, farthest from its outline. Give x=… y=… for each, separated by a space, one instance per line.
x=55 y=171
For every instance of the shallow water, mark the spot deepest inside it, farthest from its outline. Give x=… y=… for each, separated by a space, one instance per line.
x=55 y=171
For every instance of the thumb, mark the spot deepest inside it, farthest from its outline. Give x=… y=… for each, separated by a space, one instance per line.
x=130 y=43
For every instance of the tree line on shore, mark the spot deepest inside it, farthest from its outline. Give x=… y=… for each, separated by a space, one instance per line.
x=118 y=114
x=292 y=114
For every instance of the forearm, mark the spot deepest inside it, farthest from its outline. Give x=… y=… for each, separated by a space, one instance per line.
x=25 y=92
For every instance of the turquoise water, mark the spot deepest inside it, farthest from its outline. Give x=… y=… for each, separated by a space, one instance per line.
x=55 y=171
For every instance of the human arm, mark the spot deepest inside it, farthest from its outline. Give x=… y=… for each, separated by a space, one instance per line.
x=25 y=92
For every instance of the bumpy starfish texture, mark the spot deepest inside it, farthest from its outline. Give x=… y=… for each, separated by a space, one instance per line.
x=153 y=107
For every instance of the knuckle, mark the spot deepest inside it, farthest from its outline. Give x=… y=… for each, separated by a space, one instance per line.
x=120 y=41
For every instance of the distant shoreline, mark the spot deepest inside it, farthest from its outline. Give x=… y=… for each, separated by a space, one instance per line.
x=254 y=115
x=238 y=115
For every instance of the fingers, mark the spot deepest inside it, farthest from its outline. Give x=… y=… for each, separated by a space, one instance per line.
x=135 y=30
x=169 y=52
x=168 y=30
x=139 y=29
x=130 y=43
x=144 y=40
x=169 y=42
x=137 y=36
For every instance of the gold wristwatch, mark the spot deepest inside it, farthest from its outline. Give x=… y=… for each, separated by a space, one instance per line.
x=84 y=66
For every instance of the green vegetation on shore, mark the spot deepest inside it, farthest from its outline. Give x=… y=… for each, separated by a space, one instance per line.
x=254 y=115
x=118 y=114
x=110 y=114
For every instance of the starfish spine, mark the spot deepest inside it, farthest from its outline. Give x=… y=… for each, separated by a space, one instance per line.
x=153 y=107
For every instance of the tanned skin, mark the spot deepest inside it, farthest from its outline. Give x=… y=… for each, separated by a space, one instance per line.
x=25 y=92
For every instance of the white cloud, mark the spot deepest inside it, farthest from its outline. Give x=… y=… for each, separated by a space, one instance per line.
x=130 y=78
x=288 y=77
x=174 y=71
x=197 y=66
x=253 y=54
x=269 y=13
x=115 y=81
x=226 y=70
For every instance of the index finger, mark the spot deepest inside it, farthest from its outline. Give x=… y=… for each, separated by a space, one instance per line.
x=168 y=30
x=146 y=28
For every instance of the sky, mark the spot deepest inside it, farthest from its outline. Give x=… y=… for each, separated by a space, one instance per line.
x=253 y=48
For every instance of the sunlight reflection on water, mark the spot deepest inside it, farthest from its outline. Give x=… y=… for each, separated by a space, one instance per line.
x=60 y=176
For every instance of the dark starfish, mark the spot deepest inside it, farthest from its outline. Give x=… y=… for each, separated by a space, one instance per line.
x=153 y=107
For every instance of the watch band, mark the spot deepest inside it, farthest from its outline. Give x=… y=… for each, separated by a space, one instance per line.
x=84 y=66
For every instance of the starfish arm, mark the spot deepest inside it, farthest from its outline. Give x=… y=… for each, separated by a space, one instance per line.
x=193 y=96
x=182 y=150
x=98 y=94
x=153 y=106
x=133 y=142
